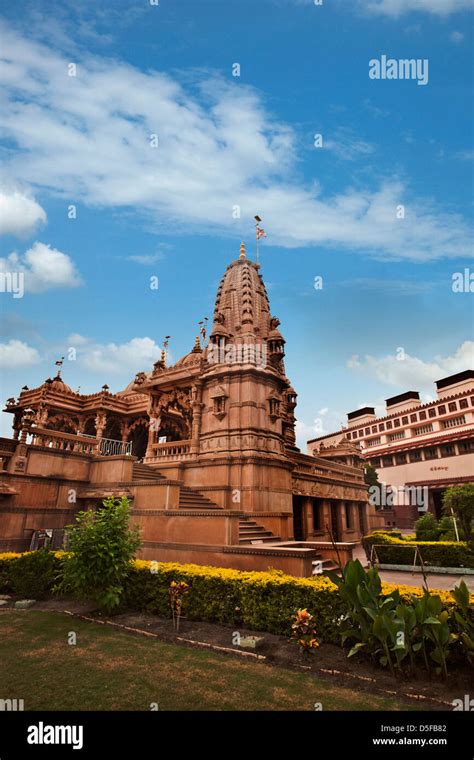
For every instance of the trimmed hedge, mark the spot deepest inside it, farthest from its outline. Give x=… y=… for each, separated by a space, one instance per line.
x=397 y=550
x=260 y=601
x=255 y=600
x=29 y=574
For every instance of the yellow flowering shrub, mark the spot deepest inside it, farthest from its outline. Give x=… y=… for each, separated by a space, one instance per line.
x=265 y=601
x=394 y=550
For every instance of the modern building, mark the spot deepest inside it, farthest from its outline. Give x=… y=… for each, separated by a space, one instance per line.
x=417 y=449
x=204 y=448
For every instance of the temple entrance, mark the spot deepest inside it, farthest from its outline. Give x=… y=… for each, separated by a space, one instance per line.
x=361 y=512
x=298 y=530
x=113 y=430
x=89 y=426
x=139 y=440
x=335 y=522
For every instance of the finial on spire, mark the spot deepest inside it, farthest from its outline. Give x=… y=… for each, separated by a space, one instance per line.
x=197 y=345
x=59 y=364
x=242 y=250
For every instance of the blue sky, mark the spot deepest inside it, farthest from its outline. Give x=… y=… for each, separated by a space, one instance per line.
x=248 y=141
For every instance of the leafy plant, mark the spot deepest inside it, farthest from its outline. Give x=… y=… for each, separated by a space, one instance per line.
x=464 y=621
x=447 y=530
x=427 y=528
x=33 y=574
x=432 y=626
x=303 y=631
x=460 y=501
x=176 y=592
x=102 y=545
x=390 y=629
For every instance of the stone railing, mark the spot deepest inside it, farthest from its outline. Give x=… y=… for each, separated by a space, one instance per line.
x=52 y=439
x=170 y=451
x=7 y=450
x=323 y=468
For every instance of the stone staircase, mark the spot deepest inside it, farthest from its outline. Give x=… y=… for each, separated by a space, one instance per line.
x=189 y=498
x=250 y=532
x=145 y=472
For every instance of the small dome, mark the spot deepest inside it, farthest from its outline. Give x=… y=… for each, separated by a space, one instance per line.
x=131 y=389
x=57 y=384
x=187 y=359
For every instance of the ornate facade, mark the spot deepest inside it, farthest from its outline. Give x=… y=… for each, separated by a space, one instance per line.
x=201 y=447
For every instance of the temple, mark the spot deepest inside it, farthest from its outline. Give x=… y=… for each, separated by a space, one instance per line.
x=204 y=449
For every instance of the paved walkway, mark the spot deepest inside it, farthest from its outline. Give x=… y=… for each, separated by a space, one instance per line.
x=407 y=578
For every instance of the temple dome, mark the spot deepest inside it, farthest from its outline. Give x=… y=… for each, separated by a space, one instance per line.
x=242 y=306
x=57 y=384
x=131 y=388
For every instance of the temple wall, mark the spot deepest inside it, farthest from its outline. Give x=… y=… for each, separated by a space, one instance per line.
x=249 y=561
x=56 y=463
x=114 y=469
x=187 y=528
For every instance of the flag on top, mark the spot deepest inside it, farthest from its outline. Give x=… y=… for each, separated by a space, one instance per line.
x=260 y=232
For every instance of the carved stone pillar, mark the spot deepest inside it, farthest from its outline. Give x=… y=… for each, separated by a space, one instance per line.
x=125 y=431
x=16 y=426
x=100 y=423
x=196 y=405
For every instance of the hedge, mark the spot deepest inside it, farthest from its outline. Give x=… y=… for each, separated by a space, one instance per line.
x=397 y=550
x=255 y=600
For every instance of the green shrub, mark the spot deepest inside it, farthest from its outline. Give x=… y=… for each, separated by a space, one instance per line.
x=427 y=528
x=260 y=601
x=33 y=575
x=394 y=632
x=459 y=500
x=447 y=531
x=102 y=546
x=399 y=551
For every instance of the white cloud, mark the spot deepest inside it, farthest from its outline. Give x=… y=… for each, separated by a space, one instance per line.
x=15 y=355
x=348 y=146
x=137 y=354
x=412 y=373
x=75 y=339
x=44 y=268
x=389 y=286
x=146 y=259
x=19 y=214
x=88 y=137
x=397 y=8
x=456 y=37
x=465 y=155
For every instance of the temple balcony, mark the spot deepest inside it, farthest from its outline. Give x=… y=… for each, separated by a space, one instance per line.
x=170 y=451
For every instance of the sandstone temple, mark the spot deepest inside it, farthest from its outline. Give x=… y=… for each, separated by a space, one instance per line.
x=204 y=449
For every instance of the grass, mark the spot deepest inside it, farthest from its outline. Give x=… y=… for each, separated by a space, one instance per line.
x=110 y=670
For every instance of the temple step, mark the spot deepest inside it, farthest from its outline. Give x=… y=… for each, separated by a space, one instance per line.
x=189 y=498
x=250 y=532
x=145 y=472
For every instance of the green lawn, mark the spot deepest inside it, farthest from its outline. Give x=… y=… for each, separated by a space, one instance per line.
x=111 y=670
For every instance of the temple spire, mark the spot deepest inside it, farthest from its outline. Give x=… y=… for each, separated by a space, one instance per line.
x=242 y=251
